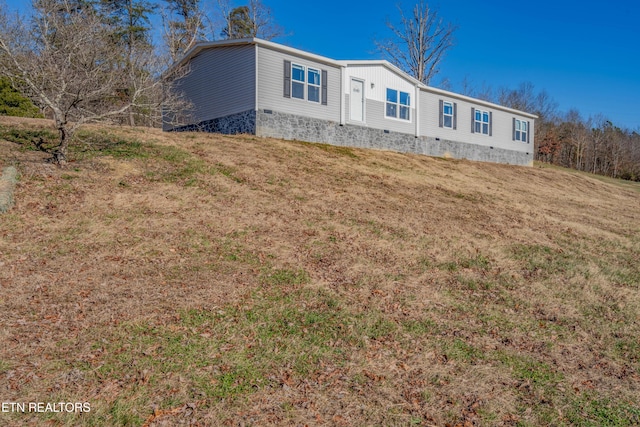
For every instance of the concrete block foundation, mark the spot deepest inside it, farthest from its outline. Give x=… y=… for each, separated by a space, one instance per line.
x=274 y=124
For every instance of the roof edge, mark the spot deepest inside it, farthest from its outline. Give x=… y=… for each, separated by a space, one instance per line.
x=477 y=101
x=200 y=46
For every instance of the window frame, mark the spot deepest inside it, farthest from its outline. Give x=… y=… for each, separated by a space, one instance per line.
x=307 y=86
x=295 y=81
x=445 y=115
x=399 y=108
x=521 y=131
x=317 y=87
x=480 y=125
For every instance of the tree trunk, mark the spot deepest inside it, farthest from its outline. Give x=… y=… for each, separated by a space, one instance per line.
x=60 y=153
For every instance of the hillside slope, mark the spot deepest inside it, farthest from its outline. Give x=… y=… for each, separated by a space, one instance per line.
x=213 y=280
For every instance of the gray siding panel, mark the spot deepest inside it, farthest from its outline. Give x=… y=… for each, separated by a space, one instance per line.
x=501 y=124
x=221 y=82
x=270 y=92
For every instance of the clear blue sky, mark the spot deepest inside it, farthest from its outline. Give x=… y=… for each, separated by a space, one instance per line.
x=586 y=54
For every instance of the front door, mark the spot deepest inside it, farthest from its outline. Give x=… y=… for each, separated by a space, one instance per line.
x=357 y=101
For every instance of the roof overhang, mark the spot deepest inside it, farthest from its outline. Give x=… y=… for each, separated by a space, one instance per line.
x=201 y=46
x=426 y=88
x=205 y=45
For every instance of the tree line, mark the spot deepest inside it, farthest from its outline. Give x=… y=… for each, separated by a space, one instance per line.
x=82 y=61
x=593 y=144
x=421 y=38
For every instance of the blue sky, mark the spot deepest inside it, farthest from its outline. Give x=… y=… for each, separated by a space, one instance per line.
x=586 y=55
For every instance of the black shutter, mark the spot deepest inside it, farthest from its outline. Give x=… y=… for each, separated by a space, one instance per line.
x=287 y=79
x=441 y=113
x=455 y=116
x=528 y=132
x=324 y=87
x=473 y=120
x=490 y=123
x=513 y=131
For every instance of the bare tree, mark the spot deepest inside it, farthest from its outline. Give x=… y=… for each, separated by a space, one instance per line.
x=420 y=42
x=64 y=61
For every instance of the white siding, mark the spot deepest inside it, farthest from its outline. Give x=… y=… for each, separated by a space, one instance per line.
x=377 y=78
x=271 y=83
x=221 y=81
x=502 y=123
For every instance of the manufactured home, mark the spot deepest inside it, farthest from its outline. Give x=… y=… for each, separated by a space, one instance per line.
x=267 y=89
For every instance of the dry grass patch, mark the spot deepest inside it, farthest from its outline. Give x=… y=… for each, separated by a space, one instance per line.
x=212 y=280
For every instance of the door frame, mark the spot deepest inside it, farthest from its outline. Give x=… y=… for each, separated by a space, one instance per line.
x=363 y=99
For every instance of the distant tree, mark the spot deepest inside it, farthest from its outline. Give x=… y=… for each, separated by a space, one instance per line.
x=130 y=20
x=13 y=103
x=420 y=42
x=183 y=26
x=549 y=147
x=252 y=20
x=239 y=24
x=577 y=138
x=130 y=23
x=63 y=61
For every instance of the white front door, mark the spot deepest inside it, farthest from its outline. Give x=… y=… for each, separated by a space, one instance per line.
x=357 y=101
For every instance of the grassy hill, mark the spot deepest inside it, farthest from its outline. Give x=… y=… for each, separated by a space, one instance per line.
x=169 y=279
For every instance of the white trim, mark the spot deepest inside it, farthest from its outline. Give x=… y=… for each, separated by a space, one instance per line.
x=416 y=110
x=343 y=107
x=257 y=71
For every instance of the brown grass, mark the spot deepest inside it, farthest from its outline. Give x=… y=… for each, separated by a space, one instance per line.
x=212 y=280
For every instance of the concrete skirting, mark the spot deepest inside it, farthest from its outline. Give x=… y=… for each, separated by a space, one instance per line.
x=288 y=126
x=244 y=122
x=274 y=124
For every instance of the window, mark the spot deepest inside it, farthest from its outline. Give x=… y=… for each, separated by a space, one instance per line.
x=314 y=85
x=305 y=83
x=447 y=115
x=521 y=130
x=482 y=122
x=398 y=104
x=297 y=81
x=405 y=109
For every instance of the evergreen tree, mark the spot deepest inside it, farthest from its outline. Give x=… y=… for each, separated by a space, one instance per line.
x=253 y=20
x=130 y=19
x=239 y=24
x=130 y=24
x=13 y=103
x=184 y=27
